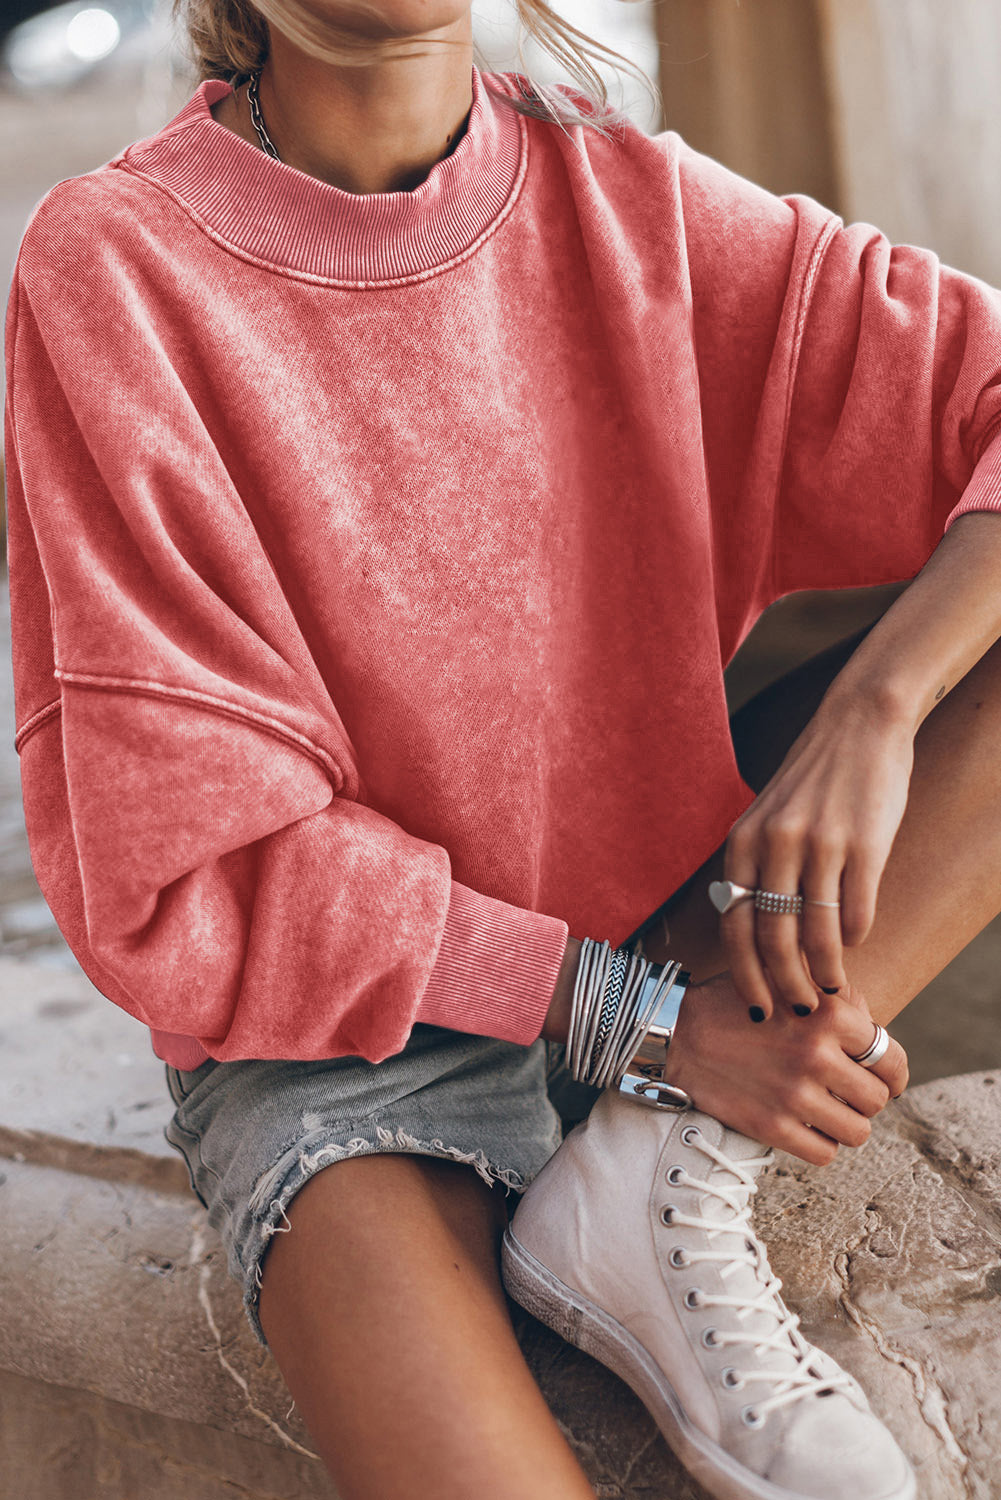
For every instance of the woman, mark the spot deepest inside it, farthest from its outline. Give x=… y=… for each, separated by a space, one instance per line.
x=396 y=456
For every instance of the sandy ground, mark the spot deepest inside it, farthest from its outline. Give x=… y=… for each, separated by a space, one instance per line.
x=950 y=1028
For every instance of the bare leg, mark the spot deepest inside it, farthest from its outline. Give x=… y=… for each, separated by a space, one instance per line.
x=942 y=882
x=383 y=1307
x=384 y=1310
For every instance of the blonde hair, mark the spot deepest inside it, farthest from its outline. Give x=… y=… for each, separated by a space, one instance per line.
x=229 y=39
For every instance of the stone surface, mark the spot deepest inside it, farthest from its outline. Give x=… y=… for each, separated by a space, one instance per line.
x=79 y=1082
x=115 y=1292
x=63 y=1444
x=913 y=97
x=893 y=1257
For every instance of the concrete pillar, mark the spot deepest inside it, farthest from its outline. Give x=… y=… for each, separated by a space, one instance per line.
x=883 y=110
x=914 y=92
x=747 y=84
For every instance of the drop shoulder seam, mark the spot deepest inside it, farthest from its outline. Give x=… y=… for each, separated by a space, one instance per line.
x=824 y=238
x=208 y=702
x=36 y=720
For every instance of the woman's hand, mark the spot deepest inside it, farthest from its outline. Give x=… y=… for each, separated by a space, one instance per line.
x=823 y=826
x=775 y=1082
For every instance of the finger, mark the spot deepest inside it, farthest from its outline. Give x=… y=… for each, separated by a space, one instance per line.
x=834 y=1118
x=777 y=937
x=778 y=1129
x=892 y=1069
x=807 y=1106
x=860 y=1088
x=838 y=1119
x=820 y=926
x=809 y=1145
x=855 y=1031
x=736 y=928
x=859 y=888
x=737 y=933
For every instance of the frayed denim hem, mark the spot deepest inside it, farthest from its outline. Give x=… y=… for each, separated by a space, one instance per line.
x=277 y=1187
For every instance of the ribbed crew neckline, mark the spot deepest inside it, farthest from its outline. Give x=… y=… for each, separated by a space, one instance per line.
x=280 y=216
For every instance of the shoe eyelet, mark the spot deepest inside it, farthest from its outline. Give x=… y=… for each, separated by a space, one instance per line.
x=693 y=1298
x=731 y=1379
x=689 y=1134
x=677 y=1258
x=674 y=1175
x=751 y=1417
x=709 y=1339
x=667 y=1213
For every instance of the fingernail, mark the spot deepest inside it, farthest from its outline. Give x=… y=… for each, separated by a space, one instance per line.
x=756 y=1013
x=803 y=1010
x=832 y=991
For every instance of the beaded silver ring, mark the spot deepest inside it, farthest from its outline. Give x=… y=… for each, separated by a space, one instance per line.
x=778 y=903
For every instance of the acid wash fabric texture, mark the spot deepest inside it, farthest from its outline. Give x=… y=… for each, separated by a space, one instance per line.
x=375 y=560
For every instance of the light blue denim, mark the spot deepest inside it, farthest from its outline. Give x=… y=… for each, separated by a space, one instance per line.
x=252 y=1133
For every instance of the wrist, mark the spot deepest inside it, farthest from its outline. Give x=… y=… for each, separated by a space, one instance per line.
x=557 y=1023
x=867 y=698
x=622 y=1012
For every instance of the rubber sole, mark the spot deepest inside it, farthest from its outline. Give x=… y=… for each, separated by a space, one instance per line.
x=592 y=1330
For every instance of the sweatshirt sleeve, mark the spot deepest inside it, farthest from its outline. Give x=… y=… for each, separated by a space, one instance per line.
x=850 y=390
x=194 y=812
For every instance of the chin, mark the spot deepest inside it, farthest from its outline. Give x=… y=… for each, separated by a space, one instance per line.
x=374 y=19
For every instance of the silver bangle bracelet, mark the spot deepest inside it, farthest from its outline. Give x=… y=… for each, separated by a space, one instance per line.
x=623 y=1014
x=645 y=1080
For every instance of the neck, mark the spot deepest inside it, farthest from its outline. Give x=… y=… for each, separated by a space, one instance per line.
x=374 y=129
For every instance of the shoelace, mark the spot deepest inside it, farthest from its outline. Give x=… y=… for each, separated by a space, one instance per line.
x=794 y=1384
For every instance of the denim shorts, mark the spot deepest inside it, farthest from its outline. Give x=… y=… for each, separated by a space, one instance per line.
x=252 y=1133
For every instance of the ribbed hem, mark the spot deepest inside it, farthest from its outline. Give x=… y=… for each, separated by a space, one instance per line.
x=185 y=1053
x=495 y=973
x=283 y=217
x=984 y=489
x=496 y=969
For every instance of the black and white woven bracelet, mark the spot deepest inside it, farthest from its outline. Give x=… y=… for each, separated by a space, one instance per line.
x=619 y=996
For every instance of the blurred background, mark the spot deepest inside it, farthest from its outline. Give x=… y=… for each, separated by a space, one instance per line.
x=884 y=110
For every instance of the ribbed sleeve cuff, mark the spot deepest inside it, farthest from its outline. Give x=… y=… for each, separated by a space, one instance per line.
x=496 y=969
x=984 y=489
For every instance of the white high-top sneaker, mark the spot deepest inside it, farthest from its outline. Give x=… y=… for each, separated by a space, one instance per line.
x=635 y=1244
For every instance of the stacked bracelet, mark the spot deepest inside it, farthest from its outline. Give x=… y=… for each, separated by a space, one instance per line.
x=624 y=1010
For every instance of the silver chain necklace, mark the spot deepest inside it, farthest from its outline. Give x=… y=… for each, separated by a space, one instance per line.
x=255 y=114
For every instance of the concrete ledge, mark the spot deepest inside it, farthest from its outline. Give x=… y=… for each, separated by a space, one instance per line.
x=59 y=1441
x=123 y=1340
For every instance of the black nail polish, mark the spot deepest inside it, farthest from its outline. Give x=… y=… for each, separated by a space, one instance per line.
x=803 y=1010
x=756 y=1013
x=832 y=991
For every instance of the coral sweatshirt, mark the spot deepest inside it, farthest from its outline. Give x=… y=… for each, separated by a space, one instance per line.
x=375 y=560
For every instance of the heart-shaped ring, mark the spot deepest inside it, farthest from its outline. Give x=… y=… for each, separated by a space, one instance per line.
x=725 y=894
